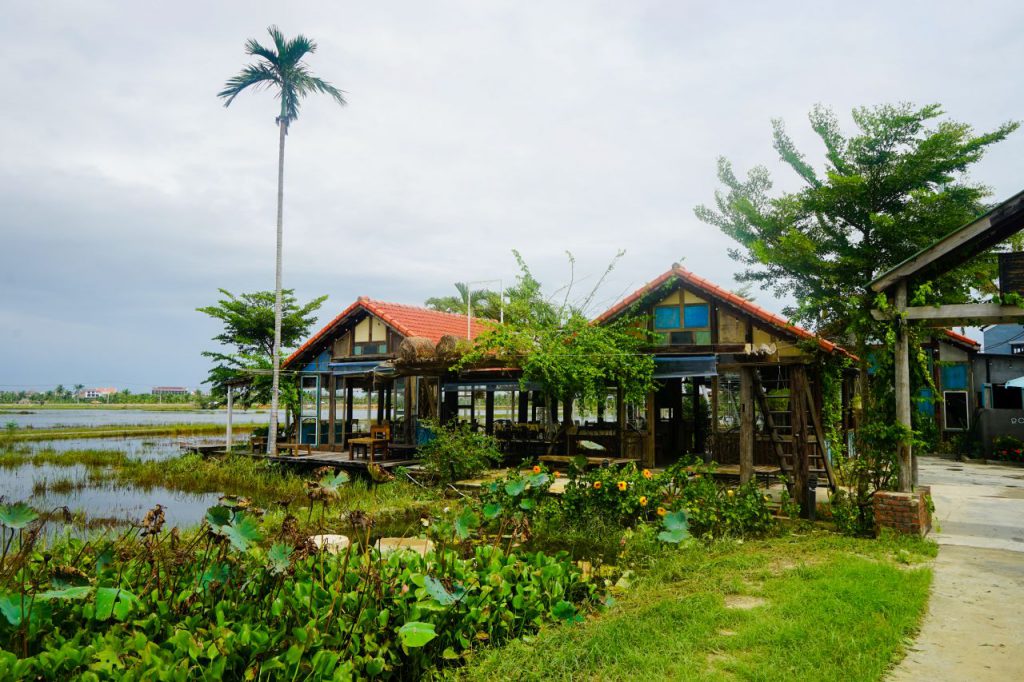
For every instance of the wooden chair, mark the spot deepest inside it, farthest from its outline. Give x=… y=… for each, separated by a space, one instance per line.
x=381 y=436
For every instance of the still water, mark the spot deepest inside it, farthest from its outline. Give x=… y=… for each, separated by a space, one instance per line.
x=33 y=483
x=48 y=419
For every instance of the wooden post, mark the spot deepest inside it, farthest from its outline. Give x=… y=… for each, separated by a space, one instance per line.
x=620 y=420
x=489 y=413
x=332 y=407
x=801 y=448
x=904 y=453
x=347 y=421
x=698 y=427
x=709 y=455
x=746 y=423
x=524 y=407
x=231 y=405
x=649 y=436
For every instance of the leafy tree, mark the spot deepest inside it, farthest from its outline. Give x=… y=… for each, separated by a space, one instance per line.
x=558 y=348
x=249 y=321
x=895 y=185
x=282 y=69
x=486 y=303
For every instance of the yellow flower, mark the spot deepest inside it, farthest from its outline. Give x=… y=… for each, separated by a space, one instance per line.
x=662 y=511
x=730 y=493
x=696 y=475
x=643 y=501
x=647 y=473
x=597 y=485
x=555 y=474
x=767 y=498
x=623 y=485
x=536 y=469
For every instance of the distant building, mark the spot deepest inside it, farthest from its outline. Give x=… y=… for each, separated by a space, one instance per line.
x=93 y=393
x=170 y=390
x=1004 y=339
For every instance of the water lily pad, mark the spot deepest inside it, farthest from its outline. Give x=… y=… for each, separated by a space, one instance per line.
x=113 y=601
x=415 y=634
x=17 y=515
x=465 y=523
x=279 y=558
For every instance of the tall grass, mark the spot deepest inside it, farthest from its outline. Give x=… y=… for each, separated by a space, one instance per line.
x=121 y=431
x=13 y=458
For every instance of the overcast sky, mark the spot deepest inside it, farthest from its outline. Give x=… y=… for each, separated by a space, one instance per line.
x=129 y=194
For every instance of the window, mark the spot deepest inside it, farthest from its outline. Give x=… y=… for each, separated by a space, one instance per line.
x=666 y=317
x=1004 y=398
x=369 y=348
x=696 y=315
x=955 y=410
x=1017 y=349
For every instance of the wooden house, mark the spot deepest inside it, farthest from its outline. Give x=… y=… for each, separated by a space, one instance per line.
x=348 y=379
x=736 y=383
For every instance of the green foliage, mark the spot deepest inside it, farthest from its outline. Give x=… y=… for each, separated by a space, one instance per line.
x=281 y=68
x=486 y=303
x=677 y=528
x=893 y=187
x=623 y=494
x=200 y=605
x=248 y=332
x=456 y=452
x=560 y=350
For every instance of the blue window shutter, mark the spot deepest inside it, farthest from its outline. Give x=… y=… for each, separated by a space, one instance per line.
x=696 y=315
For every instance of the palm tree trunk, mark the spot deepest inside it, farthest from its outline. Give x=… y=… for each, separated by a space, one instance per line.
x=282 y=123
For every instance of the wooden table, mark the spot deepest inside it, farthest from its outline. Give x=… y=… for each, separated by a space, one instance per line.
x=368 y=445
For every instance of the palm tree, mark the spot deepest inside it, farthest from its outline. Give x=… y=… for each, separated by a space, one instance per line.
x=280 y=68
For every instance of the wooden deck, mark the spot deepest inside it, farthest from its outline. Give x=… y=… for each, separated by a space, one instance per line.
x=338 y=460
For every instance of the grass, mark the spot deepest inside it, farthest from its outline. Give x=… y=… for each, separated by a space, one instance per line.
x=18 y=408
x=120 y=431
x=825 y=608
x=12 y=458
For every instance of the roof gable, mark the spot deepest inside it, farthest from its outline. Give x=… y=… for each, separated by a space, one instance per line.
x=678 y=273
x=407 y=320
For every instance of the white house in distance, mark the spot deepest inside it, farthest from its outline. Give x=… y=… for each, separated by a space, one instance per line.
x=95 y=393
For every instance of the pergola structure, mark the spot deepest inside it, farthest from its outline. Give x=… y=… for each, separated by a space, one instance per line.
x=953 y=250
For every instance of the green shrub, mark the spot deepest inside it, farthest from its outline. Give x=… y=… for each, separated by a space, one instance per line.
x=230 y=603
x=456 y=453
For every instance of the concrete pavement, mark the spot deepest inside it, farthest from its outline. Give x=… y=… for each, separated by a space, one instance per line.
x=974 y=628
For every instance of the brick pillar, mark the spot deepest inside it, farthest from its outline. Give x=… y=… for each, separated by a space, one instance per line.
x=903 y=512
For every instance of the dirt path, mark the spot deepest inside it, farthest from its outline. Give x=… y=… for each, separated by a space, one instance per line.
x=974 y=629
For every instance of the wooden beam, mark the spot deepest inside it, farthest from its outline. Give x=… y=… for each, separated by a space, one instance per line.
x=798 y=420
x=746 y=424
x=959 y=246
x=649 y=435
x=332 y=406
x=960 y=314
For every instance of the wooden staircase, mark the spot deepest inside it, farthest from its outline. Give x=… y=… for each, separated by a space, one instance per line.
x=784 y=413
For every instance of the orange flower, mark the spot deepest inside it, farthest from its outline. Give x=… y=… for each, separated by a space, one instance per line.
x=623 y=485
x=555 y=474
x=662 y=511
x=536 y=469
x=647 y=473
x=597 y=485
x=643 y=501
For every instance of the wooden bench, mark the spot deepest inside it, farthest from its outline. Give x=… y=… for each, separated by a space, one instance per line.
x=590 y=461
x=733 y=471
x=295 y=448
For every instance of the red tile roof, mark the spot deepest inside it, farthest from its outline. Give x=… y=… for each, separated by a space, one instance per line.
x=963 y=340
x=679 y=272
x=407 y=320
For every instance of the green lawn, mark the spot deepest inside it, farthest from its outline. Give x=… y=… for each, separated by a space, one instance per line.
x=820 y=607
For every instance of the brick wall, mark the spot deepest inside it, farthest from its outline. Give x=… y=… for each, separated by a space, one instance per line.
x=903 y=512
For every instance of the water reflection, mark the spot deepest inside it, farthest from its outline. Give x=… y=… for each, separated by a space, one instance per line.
x=48 y=419
x=47 y=486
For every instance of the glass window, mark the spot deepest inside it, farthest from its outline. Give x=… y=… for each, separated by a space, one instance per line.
x=666 y=317
x=955 y=404
x=696 y=315
x=682 y=338
x=702 y=338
